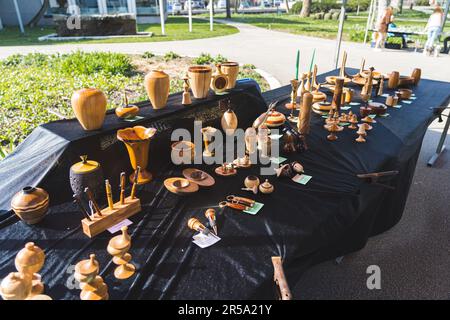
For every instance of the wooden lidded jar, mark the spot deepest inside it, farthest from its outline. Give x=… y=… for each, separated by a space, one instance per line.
x=30 y=259
x=86 y=173
x=31 y=204
x=89 y=106
x=157 y=85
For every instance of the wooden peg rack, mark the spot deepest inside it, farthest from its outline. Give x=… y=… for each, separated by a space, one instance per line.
x=111 y=217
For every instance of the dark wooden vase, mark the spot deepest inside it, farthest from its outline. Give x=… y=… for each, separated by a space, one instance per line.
x=31 y=204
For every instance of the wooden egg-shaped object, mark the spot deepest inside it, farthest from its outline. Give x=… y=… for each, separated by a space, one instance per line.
x=89 y=106
x=31 y=204
x=266 y=187
x=30 y=259
x=16 y=286
x=229 y=122
x=416 y=75
x=157 y=85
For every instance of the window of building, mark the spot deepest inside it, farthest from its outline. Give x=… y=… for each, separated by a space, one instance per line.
x=147 y=7
x=117 y=6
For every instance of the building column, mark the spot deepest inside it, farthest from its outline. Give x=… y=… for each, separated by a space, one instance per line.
x=102 y=7
x=19 y=17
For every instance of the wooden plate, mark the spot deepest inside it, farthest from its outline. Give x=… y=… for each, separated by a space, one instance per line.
x=186 y=186
x=204 y=179
x=321 y=107
x=331 y=80
x=360 y=81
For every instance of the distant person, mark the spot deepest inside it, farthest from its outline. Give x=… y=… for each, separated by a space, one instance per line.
x=382 y=27
x=433 y=28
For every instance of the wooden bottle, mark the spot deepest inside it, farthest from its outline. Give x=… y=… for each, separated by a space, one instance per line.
x=186 y=93
x=304 y=118
x=393 y=80
x=157 y=85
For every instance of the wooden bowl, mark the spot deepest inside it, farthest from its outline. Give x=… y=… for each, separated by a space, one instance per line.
x=406 y=81
x=404 y=94
x=180 y=186
x=360 y=81
x=332 y=80
x=200 y=177
x=378 y=108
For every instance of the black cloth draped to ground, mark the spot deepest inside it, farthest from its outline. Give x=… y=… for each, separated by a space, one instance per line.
x=334 y=214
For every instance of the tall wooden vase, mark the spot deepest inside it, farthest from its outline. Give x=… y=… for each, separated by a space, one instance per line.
x=200 y=80
x=89 y=106
x=137 y=141
x=157 y=85
x=231 y=69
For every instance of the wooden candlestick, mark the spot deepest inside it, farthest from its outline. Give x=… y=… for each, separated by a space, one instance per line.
x=308 y=86
x=293 y=103
x=109 y=195
x=304 y=119
x=367 y=89
x=118 y=247
x=416 y=74
x=381 y=86
x=342 y=73
x=393 y=80
x=122 y=187
x=92 y=285
x=337 y=96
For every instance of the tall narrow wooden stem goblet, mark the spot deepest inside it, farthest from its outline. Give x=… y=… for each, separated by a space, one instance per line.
x=137 y=141
x=118 y=247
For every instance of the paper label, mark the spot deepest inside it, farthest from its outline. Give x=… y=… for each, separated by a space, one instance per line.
x=117 y=227
x=275 y=136
x=372 y=116
x=343 y=124
x=398 y=106
x=205 y=240
x=302 y=179
x=385 y=95
x=255 y=209
x=384 y=115
x=413 y=98
x=407 y=101
x=278 y=160
x=355 y=103
x=345 y=108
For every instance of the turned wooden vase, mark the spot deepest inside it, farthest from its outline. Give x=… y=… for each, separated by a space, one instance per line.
x=231 y=69
x=30 y=204
x=89 y=106
x=200 y=80
x=87 y=173
x=157 y=85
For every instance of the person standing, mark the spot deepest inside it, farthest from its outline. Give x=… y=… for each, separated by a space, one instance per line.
x=382 y=27
x=433 y=28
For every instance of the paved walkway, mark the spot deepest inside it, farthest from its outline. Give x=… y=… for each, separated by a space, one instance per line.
x=271 y=51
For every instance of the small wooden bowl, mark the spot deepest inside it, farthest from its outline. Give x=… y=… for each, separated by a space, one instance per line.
x=200 y=177
x=378 y=108
x=404 y=94
x=406 y=81
x=180 y=186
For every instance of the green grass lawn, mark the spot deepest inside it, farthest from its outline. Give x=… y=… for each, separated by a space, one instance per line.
x=406 y=14
x=176 y=29
x=353 y=27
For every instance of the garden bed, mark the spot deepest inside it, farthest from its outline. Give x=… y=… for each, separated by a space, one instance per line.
x=37 y=88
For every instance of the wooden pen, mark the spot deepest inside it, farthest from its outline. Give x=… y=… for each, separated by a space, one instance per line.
x=109 y=195
x=122 y=187
x=90 y=196
x=135 y=182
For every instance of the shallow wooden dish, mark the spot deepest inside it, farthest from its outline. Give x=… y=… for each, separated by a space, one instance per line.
x=199 y=177
x=318 y=96
x=375 y=74
x=404 y=94
x=180 y=186
x=322 y=106
x=360 y=81
x=231 y=172
x=332 y=80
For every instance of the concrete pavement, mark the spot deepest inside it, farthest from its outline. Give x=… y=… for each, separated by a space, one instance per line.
x=269 y=50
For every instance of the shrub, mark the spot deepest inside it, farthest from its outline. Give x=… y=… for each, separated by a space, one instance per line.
x=148 y=55
x=171 y=56
x=297 y=7
x=335 y=15
x=316 y=6
x=206 y=58
x=422 y=3
x=327 y=16
x=352 y=5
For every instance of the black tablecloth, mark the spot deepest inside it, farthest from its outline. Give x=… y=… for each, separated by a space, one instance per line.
x=334 y=214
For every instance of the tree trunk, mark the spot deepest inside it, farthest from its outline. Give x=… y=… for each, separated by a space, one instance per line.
x=306 y=9
x=33 y=22
x=287 y=6
x=228 y=9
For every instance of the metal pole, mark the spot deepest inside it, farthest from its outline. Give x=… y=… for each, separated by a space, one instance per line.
x=190 y=14
x=368 y=21
x=211 y=15
x=340 y=30
x=19 y=17
x=161 y=15
x=445 y=15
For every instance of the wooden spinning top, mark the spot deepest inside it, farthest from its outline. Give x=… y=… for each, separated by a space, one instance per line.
x=30 y=261
x=353 y=121
x=361 y=134
x=118 y=247
x=92 y=285
x=368 y=119
x=333 y=128
x=16 y=286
